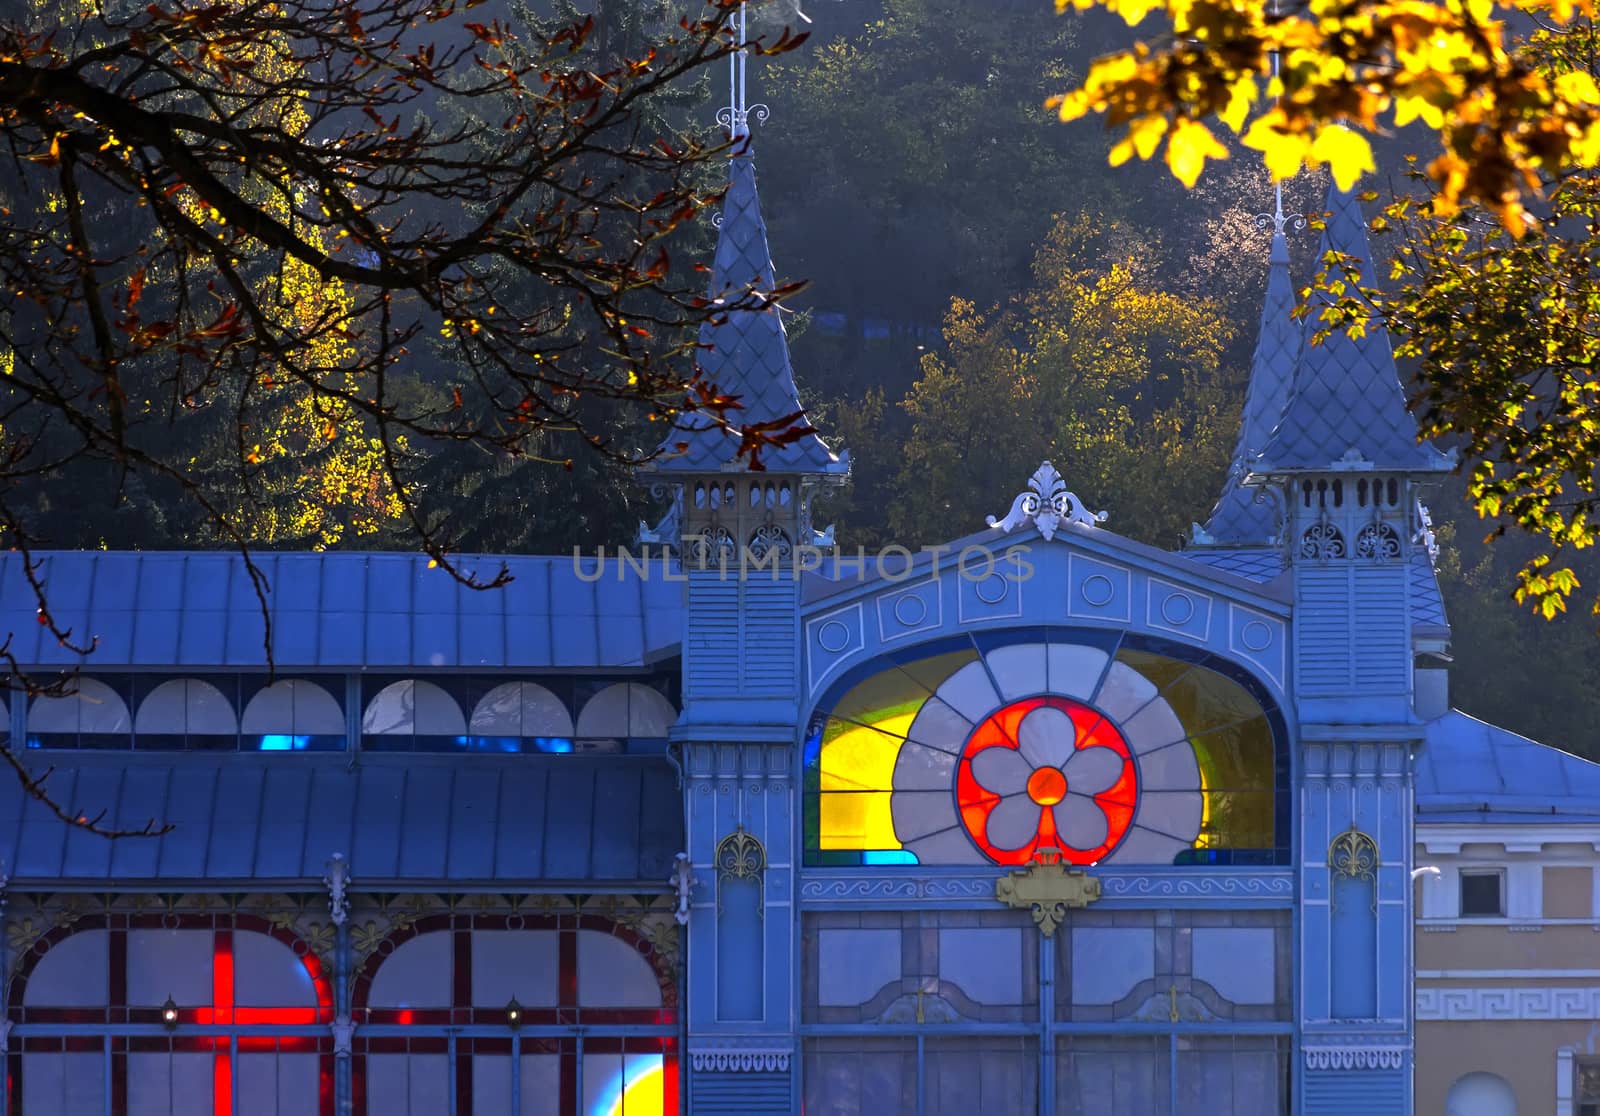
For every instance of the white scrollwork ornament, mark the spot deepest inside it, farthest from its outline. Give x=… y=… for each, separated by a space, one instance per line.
x=1322 y=541
x=682 y=884
x=769 y=537
x=1047 y=504
x=1378 y=542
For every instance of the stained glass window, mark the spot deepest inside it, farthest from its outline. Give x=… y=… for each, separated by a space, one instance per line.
x=987 y=750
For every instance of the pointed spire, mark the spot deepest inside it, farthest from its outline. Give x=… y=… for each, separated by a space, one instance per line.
x=1346 y=408
x=1244 y=516
x=746 y=353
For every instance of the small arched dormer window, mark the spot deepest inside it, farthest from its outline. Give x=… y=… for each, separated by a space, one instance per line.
x=89 y=715
x=413 y=715
x=293 y=715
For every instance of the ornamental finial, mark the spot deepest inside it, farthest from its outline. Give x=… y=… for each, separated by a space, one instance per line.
x=736 y=117
x=1048 y=504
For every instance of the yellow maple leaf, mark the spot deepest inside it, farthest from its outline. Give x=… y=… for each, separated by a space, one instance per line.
x=1188 y=149
x=1240 y=98
x=1282 y=151
x=1144 y=136
x=1347 y=153
x=1579 y=87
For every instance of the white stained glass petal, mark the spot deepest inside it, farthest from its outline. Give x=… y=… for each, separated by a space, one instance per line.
x=1143 y=846
x=1170 y=768
x=267 y=974
x=626 y=709
x=521 y=709
x=1124 y=692
x=1014 y=822
x=1046 y=737
x=1153 y=726
x=413 y=707
x=1092 y=770
x=613 y=974
x=1019 y=670
x=293 y=707
x=1001 y=770
x=73 y=973
x=92 y=706
x=186 y=705
x=1174 y=812
x=939 y=726
x=1075 y=670
x=970 y=693
x=416 y=975
x=1081 y=823
x=917 y=767
x=920 y=813
x=948 y=846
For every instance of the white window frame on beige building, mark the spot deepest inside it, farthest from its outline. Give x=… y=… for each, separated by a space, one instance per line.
x=1521 y=851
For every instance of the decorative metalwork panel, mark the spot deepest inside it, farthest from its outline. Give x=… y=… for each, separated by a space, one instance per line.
x=1378 y=542
x=1354 y=854
x=1047 y=890
x=1047 y=504
x=1322 y=541
x=741 y=856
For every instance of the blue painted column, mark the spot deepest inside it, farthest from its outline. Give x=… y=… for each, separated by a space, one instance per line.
x=738 y=733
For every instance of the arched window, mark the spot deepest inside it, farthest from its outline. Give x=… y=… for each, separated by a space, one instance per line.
x=521 y=716
x=185 y=713
x=90 y=715
x=1481 y=1094
x=249 y=1035
x=413 y=715
x=626 y=710
x=989 y=748
x=593 y=1030
x=293 y=715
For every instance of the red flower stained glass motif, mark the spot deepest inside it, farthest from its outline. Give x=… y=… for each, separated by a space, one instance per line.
x=1046 y=772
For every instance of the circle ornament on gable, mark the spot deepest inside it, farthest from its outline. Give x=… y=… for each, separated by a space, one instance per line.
x=1046 y=772
x=1097 y=590
x=992 y=590
x=833 y=636
x=911 y=610
x=1178 y=608
x=1256 y=636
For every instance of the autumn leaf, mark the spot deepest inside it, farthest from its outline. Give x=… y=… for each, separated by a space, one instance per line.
x=1190 y=146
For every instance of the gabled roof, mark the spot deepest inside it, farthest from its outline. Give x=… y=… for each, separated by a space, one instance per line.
x=341 y=610
x=249 y=818
x=1346 y=406
x=1242 y=516
x=1470 y=771
x=746 y=354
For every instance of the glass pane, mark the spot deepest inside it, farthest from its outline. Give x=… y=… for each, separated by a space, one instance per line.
x=65 y=1084
x=623 y=1085
x=277 y=1084
x=1233 y=1075
x=170 y=1084
x=980 y=1075
x=408 y=1084
x=1098 y=1076
x=860 y=1077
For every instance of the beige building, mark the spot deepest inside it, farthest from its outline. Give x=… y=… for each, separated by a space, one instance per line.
x=1507 y=946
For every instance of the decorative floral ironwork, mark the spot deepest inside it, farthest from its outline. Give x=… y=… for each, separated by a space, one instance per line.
x=1354 y=854
x=1048 y=504
x=767 y=538
x=741 y=856
x=1379 y=542
x=337 y=882
x=1322 y=540
x=712 y=548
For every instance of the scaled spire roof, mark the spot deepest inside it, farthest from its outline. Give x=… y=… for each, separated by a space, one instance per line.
x=1346 y=407
x=1243 y=516
x=745 y=352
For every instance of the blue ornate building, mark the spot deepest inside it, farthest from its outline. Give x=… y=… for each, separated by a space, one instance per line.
x=1044 y=820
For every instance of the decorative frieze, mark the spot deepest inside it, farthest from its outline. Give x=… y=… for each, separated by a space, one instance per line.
x=1469 y=1004
x=1354 y=1057
x=1171 y=886
x=745 y=1059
